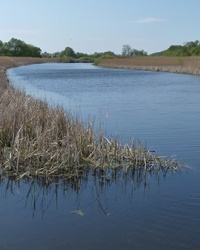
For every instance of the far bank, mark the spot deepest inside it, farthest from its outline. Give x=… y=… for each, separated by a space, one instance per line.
x=182 y=65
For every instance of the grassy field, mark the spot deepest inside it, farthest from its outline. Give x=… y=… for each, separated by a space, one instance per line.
x=186 y=65
x=36 y=140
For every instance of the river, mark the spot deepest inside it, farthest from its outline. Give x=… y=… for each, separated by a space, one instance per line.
x=162 y=110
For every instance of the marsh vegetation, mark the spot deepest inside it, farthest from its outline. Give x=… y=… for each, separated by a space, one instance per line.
x=183 y=65
x=38 y=140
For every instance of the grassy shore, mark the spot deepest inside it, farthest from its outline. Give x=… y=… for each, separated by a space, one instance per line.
x=36 y=140
x=183 y=65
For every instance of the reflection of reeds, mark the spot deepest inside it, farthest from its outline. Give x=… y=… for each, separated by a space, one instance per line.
x=39 y=194
x=36 y=140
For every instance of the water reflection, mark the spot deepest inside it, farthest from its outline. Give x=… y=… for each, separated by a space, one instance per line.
x=92 y=189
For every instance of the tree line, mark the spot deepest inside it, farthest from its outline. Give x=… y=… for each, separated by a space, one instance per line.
x=128 y=51
x=16 y=47
x=191 y=48
x=69 y=55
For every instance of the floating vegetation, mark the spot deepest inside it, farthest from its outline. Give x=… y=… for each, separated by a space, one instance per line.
x=78 y=212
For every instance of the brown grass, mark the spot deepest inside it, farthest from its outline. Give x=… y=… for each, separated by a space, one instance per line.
x=9 y=62
x=188 y=65
x=36 y=140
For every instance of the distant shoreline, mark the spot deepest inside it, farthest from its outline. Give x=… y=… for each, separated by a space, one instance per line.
x=181 y=65
x=10 y=62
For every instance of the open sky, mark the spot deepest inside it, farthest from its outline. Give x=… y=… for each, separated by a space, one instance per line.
x=100 y=25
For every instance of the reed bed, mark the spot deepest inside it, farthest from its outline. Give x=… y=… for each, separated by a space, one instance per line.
x=183 y=65
x=41 y=141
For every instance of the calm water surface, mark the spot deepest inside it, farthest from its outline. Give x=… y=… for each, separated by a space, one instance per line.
x=159 y=212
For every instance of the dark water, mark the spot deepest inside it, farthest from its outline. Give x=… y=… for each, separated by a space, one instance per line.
x=133 y=211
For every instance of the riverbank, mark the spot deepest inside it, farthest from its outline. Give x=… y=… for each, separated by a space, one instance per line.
x=182 y=65
x=10 y=62
x=39 y=141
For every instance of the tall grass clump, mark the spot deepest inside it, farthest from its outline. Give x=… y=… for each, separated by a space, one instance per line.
x=38 y=140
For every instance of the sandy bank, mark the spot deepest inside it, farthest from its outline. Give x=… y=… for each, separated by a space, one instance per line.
x=183 y=65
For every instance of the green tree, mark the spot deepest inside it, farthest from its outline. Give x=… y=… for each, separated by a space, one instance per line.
x=177 y=50
x=80 y=54
x=16 y=47
x=192 y=44
x=69 y=52
x=46 y=55
x=193 y=47
x=136 y=52
x=1 y=48
x=188 y=49
x=33 y=51
x=126 y=50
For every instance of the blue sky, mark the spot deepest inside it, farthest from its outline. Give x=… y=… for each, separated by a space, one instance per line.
x=100 y=25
